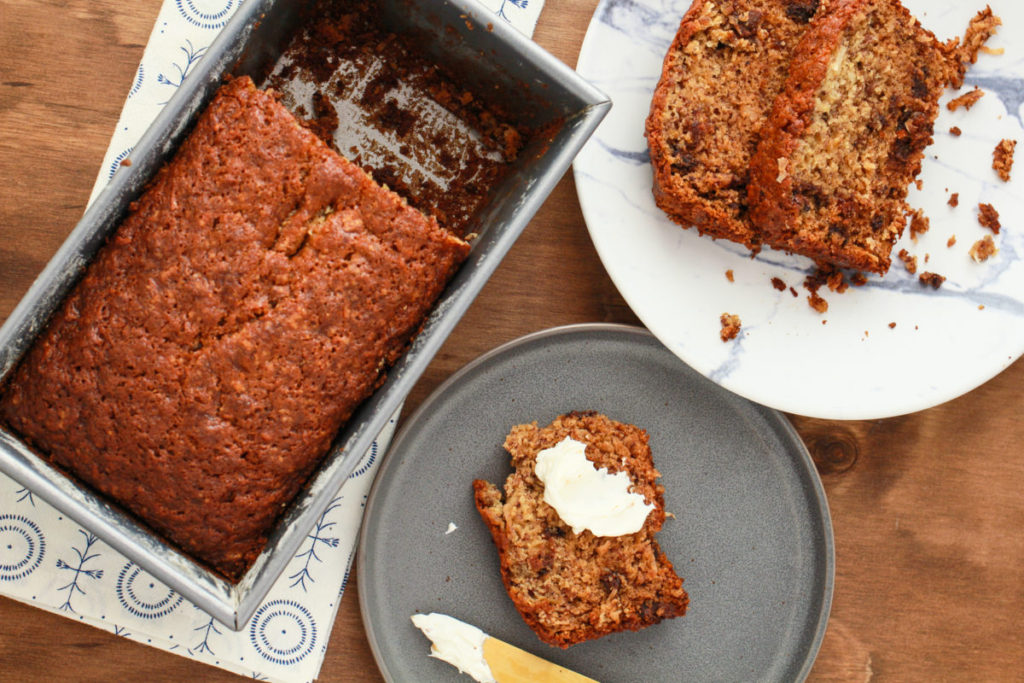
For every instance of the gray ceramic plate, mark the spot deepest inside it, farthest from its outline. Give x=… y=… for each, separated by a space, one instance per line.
x=751 y=535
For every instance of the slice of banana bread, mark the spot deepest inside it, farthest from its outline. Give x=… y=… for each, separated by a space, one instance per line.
x=847 y=134
x=719 y=78
x=573 y=587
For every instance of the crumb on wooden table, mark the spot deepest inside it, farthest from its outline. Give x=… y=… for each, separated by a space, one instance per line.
x=983 y=249
x=730 y=326
x=933 y=279
x=1002 y=159
x=989 y=217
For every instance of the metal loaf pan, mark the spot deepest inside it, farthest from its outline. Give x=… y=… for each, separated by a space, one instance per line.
x=463 y=36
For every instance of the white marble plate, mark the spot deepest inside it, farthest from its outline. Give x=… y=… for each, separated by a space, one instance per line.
x=854 y=366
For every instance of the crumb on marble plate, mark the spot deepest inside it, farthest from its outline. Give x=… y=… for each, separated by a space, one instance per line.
x=983 y=249
x=919 y=223
x=1002 y=159
x=731 y=325
x=967 y=100
x=933 y=279
x=909 y=262
x=988 y=217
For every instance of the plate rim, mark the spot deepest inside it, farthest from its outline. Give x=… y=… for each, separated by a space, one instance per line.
x=802 y=459
x=866 y=410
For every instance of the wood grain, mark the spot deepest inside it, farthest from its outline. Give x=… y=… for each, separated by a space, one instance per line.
x=927 y=508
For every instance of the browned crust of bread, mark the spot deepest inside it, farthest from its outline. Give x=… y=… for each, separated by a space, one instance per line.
x=771 y=188
x=718 y=215
x=616 y=584
x=774 y=205
x=681 y=205
x=252 y=298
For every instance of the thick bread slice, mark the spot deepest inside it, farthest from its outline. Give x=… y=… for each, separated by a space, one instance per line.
x=719 y=78
x=572 y=587
x=847 y=134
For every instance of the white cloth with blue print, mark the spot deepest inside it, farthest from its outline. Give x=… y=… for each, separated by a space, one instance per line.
x=49 y=561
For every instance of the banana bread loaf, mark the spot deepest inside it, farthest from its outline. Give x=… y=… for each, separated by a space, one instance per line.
x=570 y=587
x=720 y=76
x=252 y=298
x=846 y=136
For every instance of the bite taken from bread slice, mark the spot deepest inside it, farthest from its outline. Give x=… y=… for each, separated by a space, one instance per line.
x=847 y=134
x=571 y=586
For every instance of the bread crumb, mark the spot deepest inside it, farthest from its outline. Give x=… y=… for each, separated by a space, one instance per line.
x=792 y=290
x=955 y=131
x=909 y=262
x=951 y=241
x=967 y=100
x=817 y=303
x=128 y=162
x=981 y=28
x=1002 y=159
x=919 y=223
x=933 y=279
x=836 y=282
x=981 y=307
x=989 y=217
x=892 y=326
x=729 y=276
x=992 y=50
x=778 y=284
x=813 y=283
x=730 y=326
x=954 y=200
x=919 y=184
x=858 y=279
x=983 y=249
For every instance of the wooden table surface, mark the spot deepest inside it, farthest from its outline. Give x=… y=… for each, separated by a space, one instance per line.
x=927 y=508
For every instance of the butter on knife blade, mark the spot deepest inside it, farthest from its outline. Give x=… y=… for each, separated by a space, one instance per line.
x=485 y=658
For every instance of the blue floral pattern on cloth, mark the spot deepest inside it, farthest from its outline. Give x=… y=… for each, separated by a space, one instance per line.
x=212 y=14
x=283 y=632
x=144 y=596
x=22 y=546
x=48 y=561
